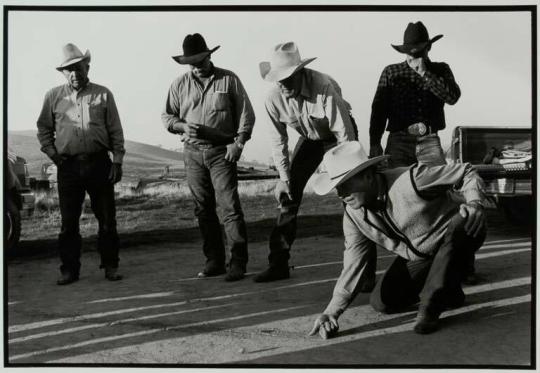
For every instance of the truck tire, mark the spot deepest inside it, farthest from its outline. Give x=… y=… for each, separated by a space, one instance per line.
x=519 y=210
x=12 y=225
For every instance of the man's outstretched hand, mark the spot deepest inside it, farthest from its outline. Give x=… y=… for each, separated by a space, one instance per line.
x=326 y=325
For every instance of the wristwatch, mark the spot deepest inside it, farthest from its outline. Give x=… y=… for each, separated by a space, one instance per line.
x=239 y=144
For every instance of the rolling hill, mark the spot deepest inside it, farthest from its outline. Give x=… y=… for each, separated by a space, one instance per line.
x=141 y=160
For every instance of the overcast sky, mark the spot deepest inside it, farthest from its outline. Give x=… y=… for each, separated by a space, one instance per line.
x=489 y=53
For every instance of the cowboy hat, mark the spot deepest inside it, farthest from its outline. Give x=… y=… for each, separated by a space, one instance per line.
x=195 y=50
x=341 y=163
x=415 y=39
x=284 y=62
x=72 y=55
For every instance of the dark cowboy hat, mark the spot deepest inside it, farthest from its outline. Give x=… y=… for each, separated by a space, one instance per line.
x=415 y=39
x=195 y=50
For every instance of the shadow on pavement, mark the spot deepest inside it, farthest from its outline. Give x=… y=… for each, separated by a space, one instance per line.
x=465 y=339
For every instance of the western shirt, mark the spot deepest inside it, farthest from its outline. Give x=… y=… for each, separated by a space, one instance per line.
x=319 y=112
x=221 y=106
x=80 y=122
x=403 y=97
x=411 y=223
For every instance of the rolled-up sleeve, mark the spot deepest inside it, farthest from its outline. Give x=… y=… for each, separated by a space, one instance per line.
x=114 y=129
x=46 y=127
x=170 y=114
x=279 y=141
x=244 y=114
x=339 y=119
x=359 y=253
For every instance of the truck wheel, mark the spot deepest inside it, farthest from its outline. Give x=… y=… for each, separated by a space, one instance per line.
x=518 y=210
x=12 y=225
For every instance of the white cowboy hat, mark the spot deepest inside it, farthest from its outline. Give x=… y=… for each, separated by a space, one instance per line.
x=341 y=163
x=72 y=55
x=284 y=62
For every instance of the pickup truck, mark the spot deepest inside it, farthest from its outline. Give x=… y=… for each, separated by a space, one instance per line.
x=503 y=158
x=19 y=199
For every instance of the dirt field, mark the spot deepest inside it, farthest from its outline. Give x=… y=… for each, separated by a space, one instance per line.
x=161 y=314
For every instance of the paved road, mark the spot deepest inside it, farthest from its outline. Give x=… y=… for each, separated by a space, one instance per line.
x=160 y=314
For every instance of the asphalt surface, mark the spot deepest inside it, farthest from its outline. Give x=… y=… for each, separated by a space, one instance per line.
x=161 y=314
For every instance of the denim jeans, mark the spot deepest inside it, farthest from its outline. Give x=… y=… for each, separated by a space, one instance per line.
x=435 y=281
x=211 y=178
x=307 y=156
x=75 y=178
x=405 y=149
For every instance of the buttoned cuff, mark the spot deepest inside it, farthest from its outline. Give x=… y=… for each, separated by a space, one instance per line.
x=118 y=157
x=336 y=306
x=428 y=76
x=243 y=137
x=171 y=128
x=284 y=175
x=50 y=151
x=473 y=195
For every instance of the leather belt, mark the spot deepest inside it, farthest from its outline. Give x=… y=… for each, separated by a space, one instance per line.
x=88 y=156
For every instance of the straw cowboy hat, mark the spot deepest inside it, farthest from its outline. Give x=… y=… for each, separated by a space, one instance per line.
x=284 y=62
x=195 y=50
x=72 y=55
x=341 y=163
x=415 y=39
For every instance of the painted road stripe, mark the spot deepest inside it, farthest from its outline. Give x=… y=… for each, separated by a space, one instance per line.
x=488 y=245
x=470 y=290
x=515 y=240
x=141 y=296
x=112 y=323
x=407 y=327
x=290 y=337
x=148 y=332
x=41 y=324
x=498 y=253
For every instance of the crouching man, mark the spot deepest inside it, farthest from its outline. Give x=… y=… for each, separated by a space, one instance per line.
x=408 y=211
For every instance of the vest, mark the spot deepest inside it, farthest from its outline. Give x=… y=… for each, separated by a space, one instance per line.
x=411 y=225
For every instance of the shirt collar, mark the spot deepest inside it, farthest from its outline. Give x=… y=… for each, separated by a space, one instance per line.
x=209 y=77
x=428 y=62
x=72 y=91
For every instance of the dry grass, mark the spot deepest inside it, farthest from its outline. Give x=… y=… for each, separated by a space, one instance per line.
x=162 y=205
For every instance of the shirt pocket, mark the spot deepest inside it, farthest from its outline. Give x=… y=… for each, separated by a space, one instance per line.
x=96 y=113
x=220 y=101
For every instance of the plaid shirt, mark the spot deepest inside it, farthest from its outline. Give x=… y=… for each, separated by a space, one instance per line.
x=404 y=97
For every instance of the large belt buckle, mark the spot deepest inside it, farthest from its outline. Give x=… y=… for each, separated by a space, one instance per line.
x=417 y=129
